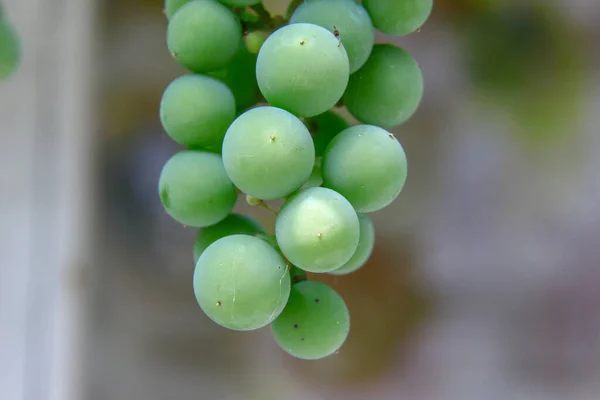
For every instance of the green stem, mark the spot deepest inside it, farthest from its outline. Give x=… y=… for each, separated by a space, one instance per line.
x=261 y=11
x=255 y=18
x=264 y=205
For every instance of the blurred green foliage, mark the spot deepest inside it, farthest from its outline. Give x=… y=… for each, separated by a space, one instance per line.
x=528 y=60
x=10 y=52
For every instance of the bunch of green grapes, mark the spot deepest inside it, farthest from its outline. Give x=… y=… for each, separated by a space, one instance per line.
x=9 y=47
x=257 y=116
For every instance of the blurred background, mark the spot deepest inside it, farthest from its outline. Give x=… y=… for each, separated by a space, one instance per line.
x=485 y=280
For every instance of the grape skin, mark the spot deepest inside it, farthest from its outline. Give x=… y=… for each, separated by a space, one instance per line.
x=367 y=165
x=315 y=179
x=315 y=322
x=240 y=77
x=317 y=230
x=268 y=153
x=171 y=6
x=364 y=250
x=241 y=282
x=324 y=127
x=196 y=111
x=195 y=190
x=350 y=19
x=233 y=224
x=398 y=17
x=254 y=41
x=302 y=68
x=387 y=90
x=204 y=35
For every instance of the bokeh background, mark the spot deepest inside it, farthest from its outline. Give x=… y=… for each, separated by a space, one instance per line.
x=485 y=280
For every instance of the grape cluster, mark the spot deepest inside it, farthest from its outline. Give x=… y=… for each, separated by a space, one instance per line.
x=258 y=116
x=9 y=47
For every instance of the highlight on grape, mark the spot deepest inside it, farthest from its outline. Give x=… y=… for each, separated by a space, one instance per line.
x=259 y=116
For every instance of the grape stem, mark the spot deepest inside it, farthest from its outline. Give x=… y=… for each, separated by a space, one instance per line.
x=264 y=205
x=260 y=21
x=263 y=19
x=261 y=11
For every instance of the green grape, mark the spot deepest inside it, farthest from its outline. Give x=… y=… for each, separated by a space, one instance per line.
x=268 y=153
x=240 y=76
x=171 y=6
x=241 y=282
x=233 y=224
x=254 y=41
x=315 y=322
x=387 y=90
x=302 y=69
x=324 y=127
x=367 y=165
x=270 y=239
x=315 y=179
x=349 y=18
x=398 y=17
x=196 y=111
x=240 y=3
x=204 y=35
x=210 y=149
x=317 y=230
x=10 y=52
x=195 y=189
x=364 y=250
